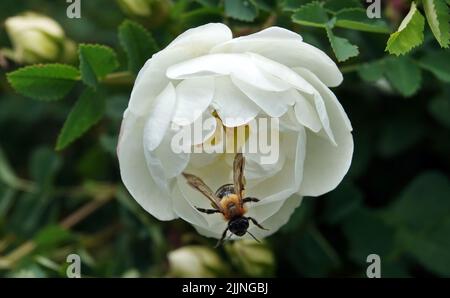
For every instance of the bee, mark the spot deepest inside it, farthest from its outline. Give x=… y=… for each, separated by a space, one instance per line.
x=228 y=200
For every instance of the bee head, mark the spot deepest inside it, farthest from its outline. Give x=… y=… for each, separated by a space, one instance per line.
x=238 y=226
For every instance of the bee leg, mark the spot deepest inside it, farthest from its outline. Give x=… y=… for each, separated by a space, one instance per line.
x=250 y=199
x=257 y=224
x=253 y=236
x=208 y=211
x=224 y=234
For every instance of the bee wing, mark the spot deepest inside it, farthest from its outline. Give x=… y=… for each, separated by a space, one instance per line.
x=199 y=185
x=238 y=174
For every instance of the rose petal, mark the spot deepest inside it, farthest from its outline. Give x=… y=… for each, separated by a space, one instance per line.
x=273 y=104
x=278 y=219
x=326 y=93
x=203 y=37
x=152 y=79
x=326 y=164
x=193 y=98
x=282 y=72
x=185 y=210
x=214 y=175
x=159 y=118
x=239 y=65
x=288 y=180
x=197 y=132
x=163 y=162
x=135 y=174
x=234 y=108
x=306 y=114
x=286 y=49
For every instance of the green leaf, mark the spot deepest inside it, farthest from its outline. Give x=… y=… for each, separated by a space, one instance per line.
x=400 y=134
x=44 y=82
x=311 y=254
x=438 y=17
x=51 y=236
x=264 y=5
x=438 y=63
x=300 y=217
x=7 y=198
x=357 y=19
x=311 y=14
x=138 y=44
x=371 y=72
x=242 y=10
x=341 y=202
x=44 y=166
x=409 y=34
x=367 y=234
x=96 y=61
x=403 y=74
x=439 y=107
x=431 y=249
x=342 y=48
x=422 y=214
x=336 y=6
x=293 y=5
x=423 y=203
x=87 y=111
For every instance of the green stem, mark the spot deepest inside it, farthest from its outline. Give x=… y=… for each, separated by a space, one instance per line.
x=120 y=78
x=350 y=68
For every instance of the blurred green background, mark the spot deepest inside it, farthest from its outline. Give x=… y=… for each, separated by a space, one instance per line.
x=394 y=202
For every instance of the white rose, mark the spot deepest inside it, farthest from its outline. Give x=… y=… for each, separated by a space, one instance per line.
x=232 y=81
x=38 y=38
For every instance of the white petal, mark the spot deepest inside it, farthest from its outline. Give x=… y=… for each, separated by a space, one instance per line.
x=326 y=164
x=203 y=37
x=326 y=93
x=239 y=65
x=278 y=219
x=152 y=78
x=214 y=175
x=289 y=121
x=255 y=169
x=272 y=103
x=197 y=132
x=161 y=112
x=288 y=180
x=134 y=172
x=282 y=72
x=291 y=52
x=270 y=34
x=193 y=98
x=306 y=114
x=186 y=210
x=233 y=107
x=163 y=162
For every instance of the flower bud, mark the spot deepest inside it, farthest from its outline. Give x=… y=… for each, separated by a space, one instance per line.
x=196 y=261
x=252 y=258
x=141 y=8
x=37 y=38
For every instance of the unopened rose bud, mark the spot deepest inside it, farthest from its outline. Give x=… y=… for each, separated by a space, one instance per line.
x=37 y=38
x=141 y=8
x=196 y=261
x=252 y=258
